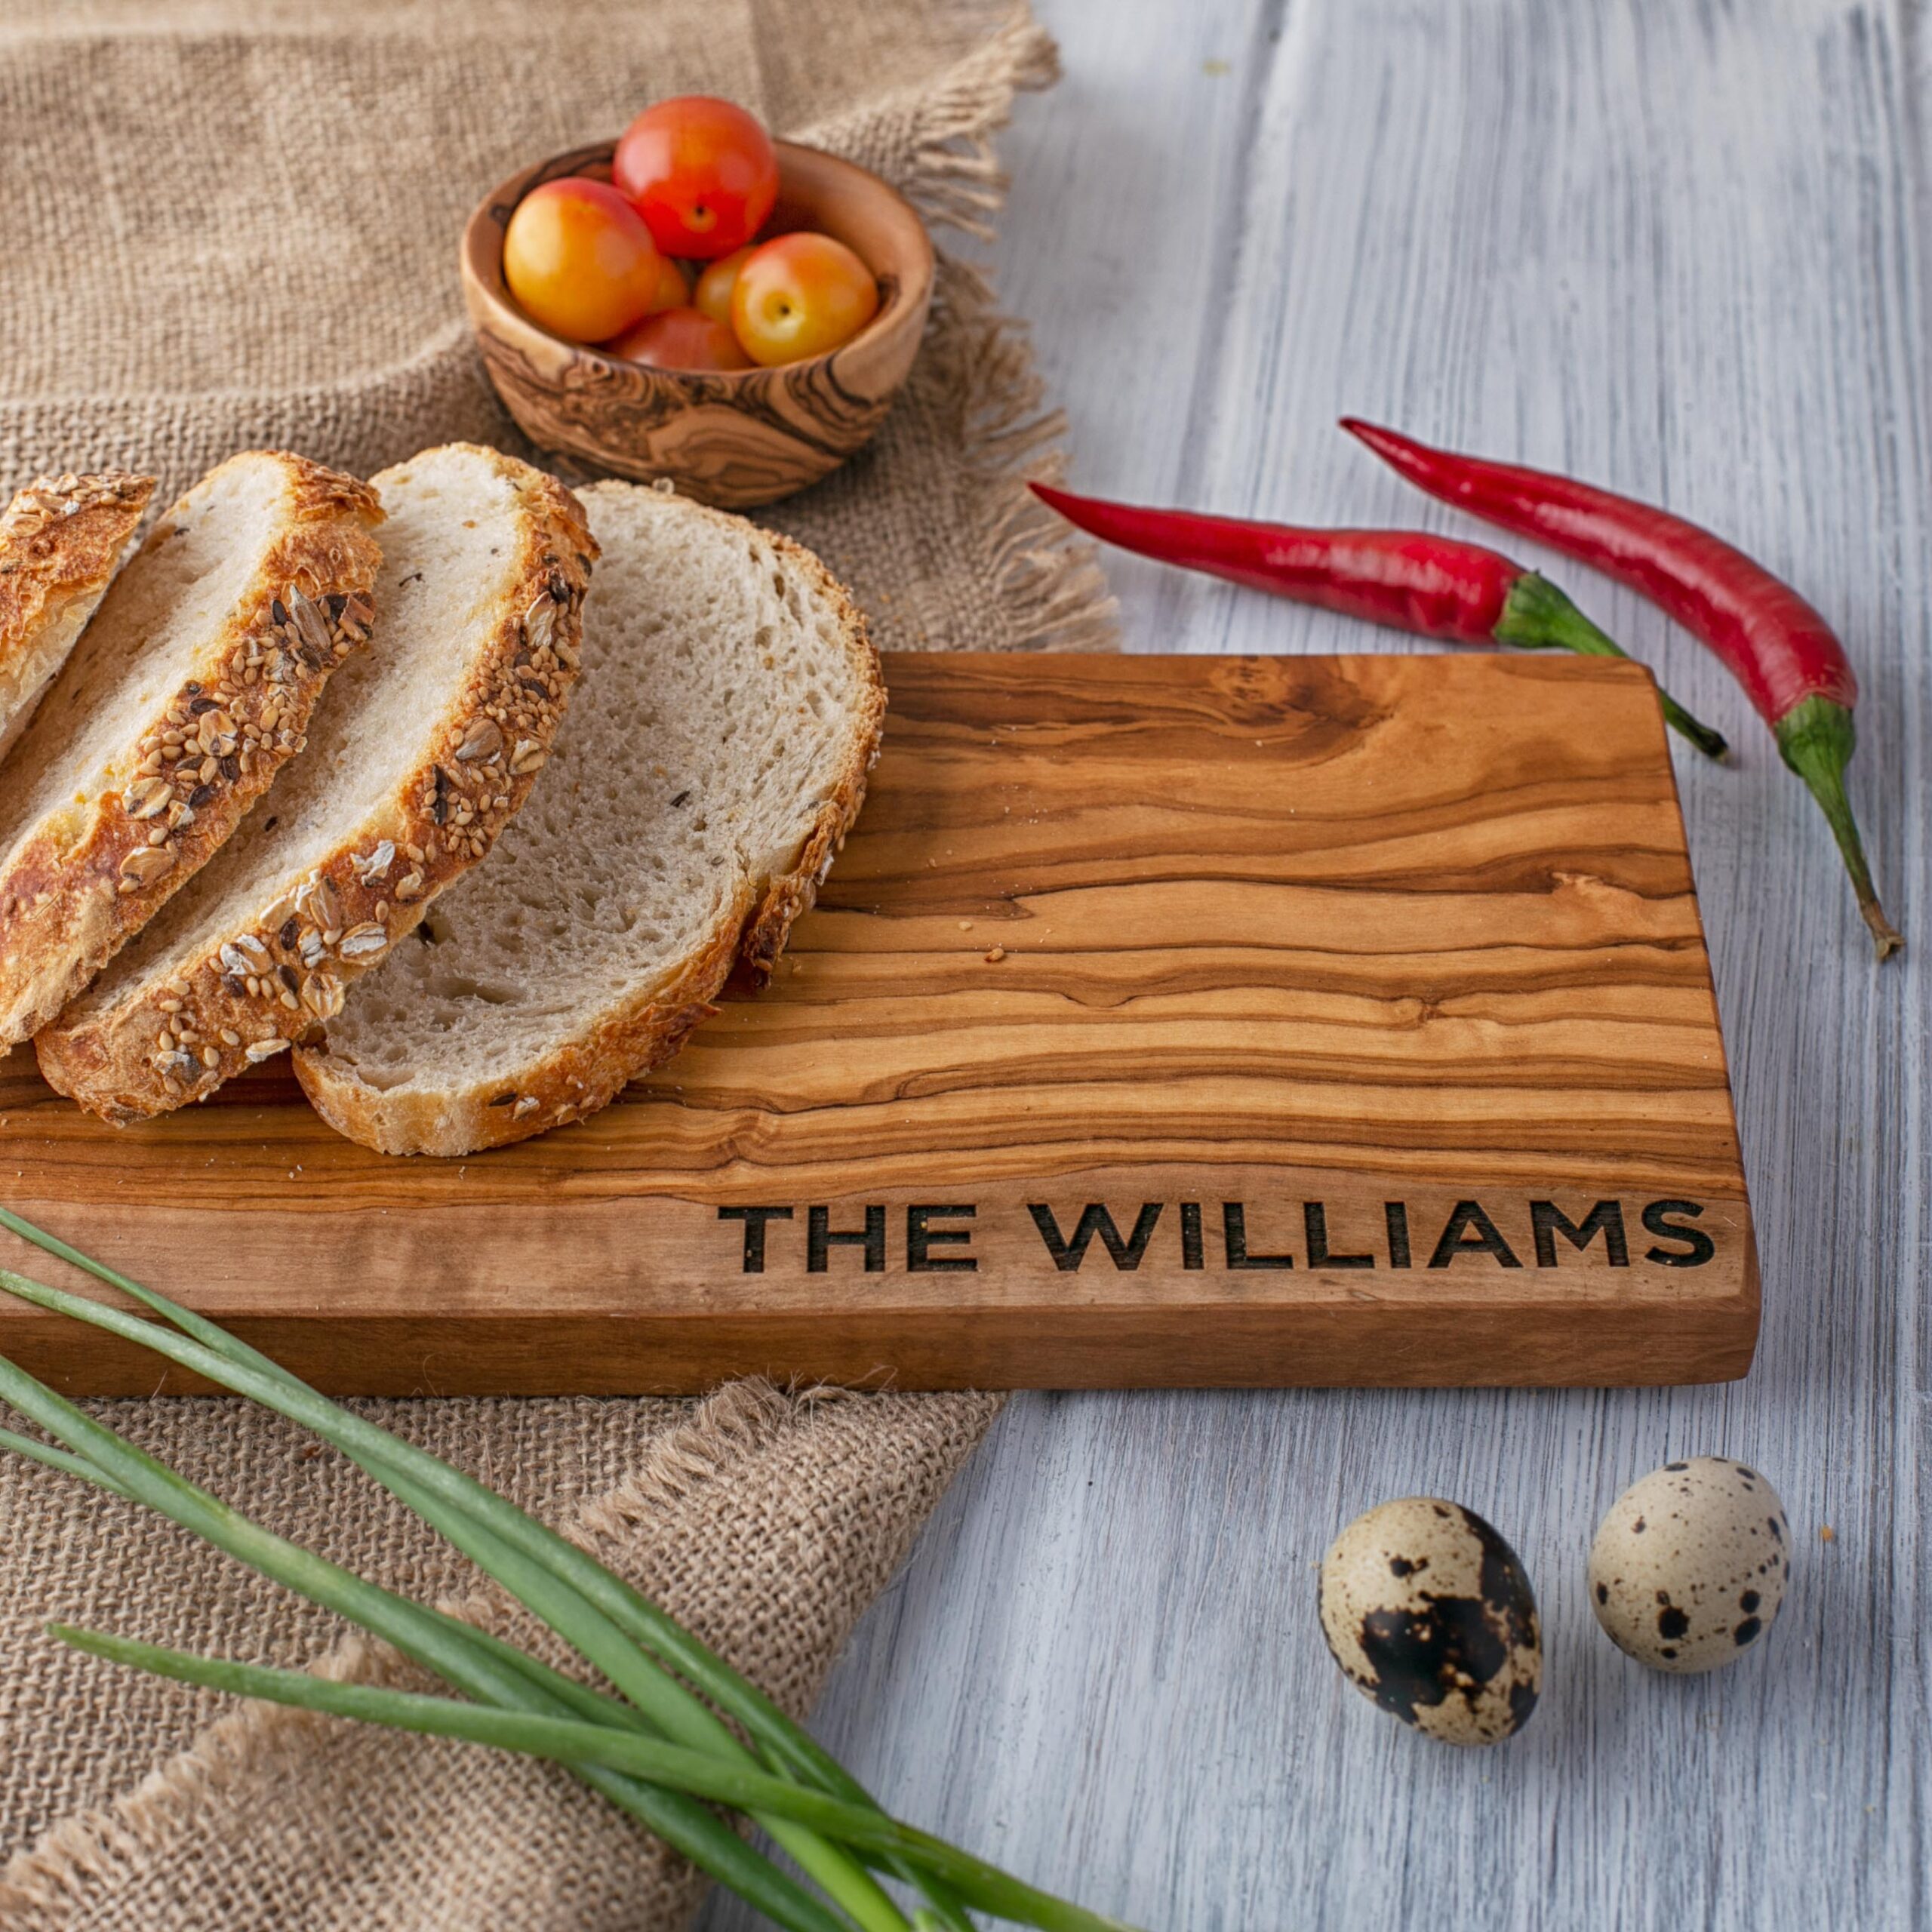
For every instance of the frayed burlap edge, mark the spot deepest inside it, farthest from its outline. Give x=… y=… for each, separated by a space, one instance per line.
x=1050 y=583
x=84 y=1855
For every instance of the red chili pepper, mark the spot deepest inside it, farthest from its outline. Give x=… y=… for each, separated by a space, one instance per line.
x=1434 y=586
x=1788 y=659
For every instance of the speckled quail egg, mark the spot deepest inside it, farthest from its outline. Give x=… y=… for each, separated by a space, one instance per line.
x=1428 y=1611
x=1689 y=1568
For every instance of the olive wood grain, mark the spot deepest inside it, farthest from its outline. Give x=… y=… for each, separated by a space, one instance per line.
x=736 y=438
x=1240 y=950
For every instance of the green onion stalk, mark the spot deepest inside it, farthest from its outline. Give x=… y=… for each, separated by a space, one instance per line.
x=657 y=1749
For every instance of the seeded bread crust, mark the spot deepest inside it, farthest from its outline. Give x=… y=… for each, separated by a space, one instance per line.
x=278 y=973
x=60 y=539
x=619 y=1044
x=185 y=780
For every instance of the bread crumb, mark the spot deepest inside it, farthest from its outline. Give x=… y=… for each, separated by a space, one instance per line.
x=965 y=925
x=996 y=956
x=1827 y=1533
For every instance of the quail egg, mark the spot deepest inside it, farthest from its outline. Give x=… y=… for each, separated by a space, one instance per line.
x=1689 y=1568
x=1428 y=1611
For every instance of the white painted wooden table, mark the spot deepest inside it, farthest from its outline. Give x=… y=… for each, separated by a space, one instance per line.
x=1680 y=248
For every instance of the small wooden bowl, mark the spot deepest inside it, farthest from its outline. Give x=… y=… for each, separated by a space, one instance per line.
x=735 y=438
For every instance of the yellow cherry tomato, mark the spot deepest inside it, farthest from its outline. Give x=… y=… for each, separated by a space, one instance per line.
x=674 y=287
x=715 y=285
x=800 y=295
x=681 y=339
x=579 y=260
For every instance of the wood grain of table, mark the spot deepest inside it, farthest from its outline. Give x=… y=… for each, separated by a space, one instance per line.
x=1681 y=250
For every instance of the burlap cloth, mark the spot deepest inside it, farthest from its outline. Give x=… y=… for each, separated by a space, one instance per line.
x=233 y=222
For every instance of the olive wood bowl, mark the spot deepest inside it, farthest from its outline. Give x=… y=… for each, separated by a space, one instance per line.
x=736 y=438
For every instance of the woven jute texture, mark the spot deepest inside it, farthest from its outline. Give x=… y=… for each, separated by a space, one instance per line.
x=233 y=222
x=765 y=1522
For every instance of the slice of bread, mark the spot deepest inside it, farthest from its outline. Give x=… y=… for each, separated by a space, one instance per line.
x=713 y=760
x=184 y=696
x=419 y=752
x=60 y=541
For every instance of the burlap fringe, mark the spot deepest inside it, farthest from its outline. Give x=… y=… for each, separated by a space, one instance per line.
x=1049 y=580
x=41 y=1886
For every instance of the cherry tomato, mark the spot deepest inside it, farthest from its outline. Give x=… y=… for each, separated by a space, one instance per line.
x=703 y=172
x=578 y=258
x=681 y=339
x=715 y=285
x=674 y=286
x=801 y=295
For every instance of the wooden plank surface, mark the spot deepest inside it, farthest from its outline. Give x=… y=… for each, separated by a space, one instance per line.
x=1680 y=249
x=1166 y=1020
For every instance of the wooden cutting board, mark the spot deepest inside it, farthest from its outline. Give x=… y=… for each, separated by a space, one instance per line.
x=1166 y=1020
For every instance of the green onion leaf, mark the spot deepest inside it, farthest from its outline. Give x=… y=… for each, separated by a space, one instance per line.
x=569 y=1742
x=385 y=1457
x=441 y=1644
x=599 y=1614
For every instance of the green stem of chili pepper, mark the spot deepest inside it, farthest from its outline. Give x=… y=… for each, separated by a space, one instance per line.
x=1537 y=617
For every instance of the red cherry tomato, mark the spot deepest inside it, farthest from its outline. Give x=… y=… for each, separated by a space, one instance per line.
x=578 y=258
x=674 y=287
x=681 y=339
x=702 y=174
x=715 y=285
x=801 y=295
